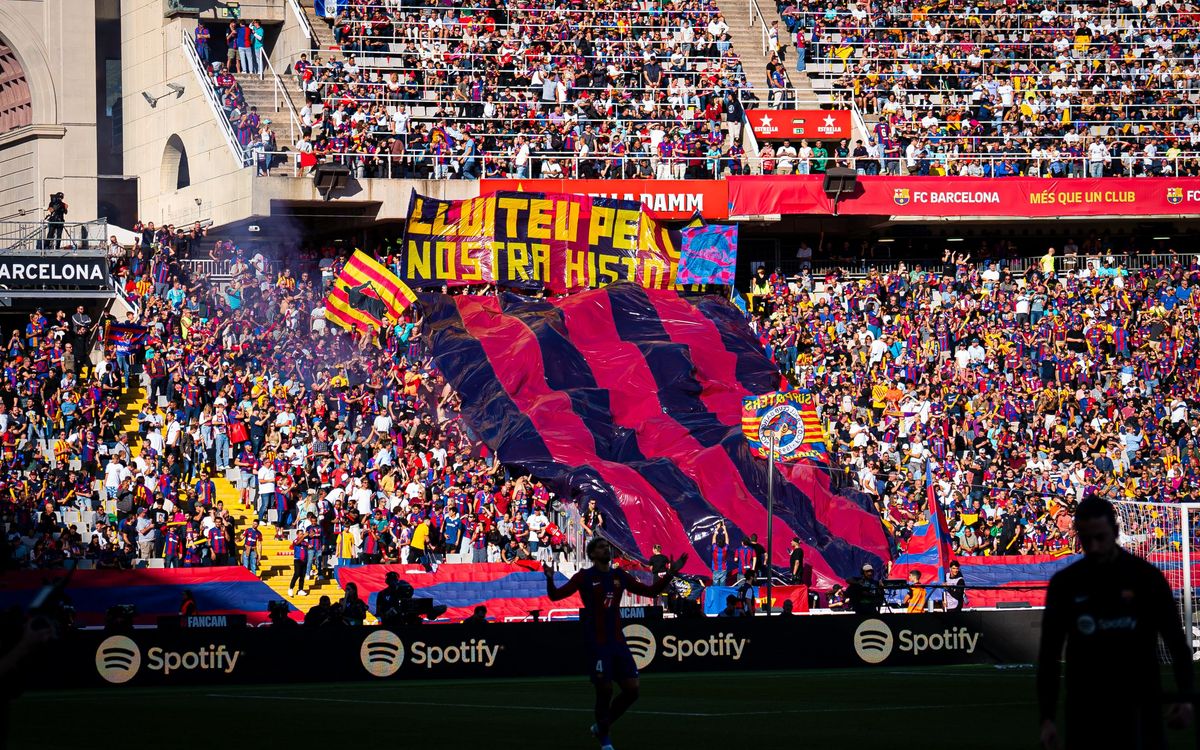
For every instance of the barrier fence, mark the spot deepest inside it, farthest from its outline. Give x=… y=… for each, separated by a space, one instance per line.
x=160 y=657
x=408 y=164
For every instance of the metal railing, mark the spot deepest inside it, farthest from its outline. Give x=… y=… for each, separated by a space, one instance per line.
x=279 y=90
x=757 y=14
x=1115 y=12
x=1072 y=263
x=188 y=46
x=425 y=165
x=31 y=236
x=220 y=269
x=302 y=18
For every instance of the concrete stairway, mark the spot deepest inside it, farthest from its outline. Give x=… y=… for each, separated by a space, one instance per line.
x=321 y=28
x=747 y=35
x=260 y=94
x=275 y=567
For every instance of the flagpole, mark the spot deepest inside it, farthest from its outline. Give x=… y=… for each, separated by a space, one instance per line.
x=770 y=512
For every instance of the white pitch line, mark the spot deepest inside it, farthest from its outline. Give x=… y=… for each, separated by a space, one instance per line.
x=999 y=673
x=439 y=704
x=843 y=709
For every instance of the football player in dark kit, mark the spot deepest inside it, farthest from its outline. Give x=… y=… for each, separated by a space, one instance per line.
x=600 y=588
x=1110 y=608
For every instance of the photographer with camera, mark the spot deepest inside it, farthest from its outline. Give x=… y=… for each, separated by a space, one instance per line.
x=865 y=593
x=56 y=214
x=395 y=605
x=277 y=613
x=387 y=601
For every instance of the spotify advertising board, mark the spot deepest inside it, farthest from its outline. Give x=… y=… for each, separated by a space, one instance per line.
x=241 y=655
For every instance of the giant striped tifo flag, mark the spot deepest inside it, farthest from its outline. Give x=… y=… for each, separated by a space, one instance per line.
x=365 y=294
x=634 y=397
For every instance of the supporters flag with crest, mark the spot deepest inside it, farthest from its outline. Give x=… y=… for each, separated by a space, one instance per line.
x=793 y=414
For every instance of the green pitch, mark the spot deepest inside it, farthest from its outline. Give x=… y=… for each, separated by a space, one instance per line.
x=943 y=707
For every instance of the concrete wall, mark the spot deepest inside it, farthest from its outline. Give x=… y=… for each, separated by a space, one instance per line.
x=290 y=43
x=55 y=42
x=152 y=58
x=392 y=196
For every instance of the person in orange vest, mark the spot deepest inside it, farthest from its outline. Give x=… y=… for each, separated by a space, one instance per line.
x=914 y=600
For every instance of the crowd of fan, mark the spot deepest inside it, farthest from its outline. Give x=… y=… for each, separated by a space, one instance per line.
x=503 y=90
x=1015 y=393
x=353 y=453
x=1061 y=89
x=1021 y=392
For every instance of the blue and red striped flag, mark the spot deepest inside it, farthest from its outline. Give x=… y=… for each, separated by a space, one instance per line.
x=928 y=550
x=125 y=337
x=633 y=397
x=506 y=589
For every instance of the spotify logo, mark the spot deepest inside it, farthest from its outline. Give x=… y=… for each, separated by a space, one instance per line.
x=382 y=653
x=873 y=641
x=641 y=644
x=118 y=659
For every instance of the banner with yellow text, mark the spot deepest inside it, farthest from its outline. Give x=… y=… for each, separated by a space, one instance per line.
x=558 y=242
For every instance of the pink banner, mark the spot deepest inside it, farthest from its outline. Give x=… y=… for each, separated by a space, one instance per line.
x=1017 y=197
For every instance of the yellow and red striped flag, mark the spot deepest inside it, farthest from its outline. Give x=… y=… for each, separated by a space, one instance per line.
x=374 y=280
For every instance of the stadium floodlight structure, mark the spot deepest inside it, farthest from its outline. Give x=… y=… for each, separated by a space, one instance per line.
x=1163 y=533
x=839 y=181
x=330 y=178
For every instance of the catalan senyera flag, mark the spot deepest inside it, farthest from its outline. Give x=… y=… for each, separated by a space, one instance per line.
x=633 y=397
x=366 y=293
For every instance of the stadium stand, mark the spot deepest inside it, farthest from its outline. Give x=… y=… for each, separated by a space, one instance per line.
x=1013 y=388
x=997 y=89
x=425 y=90
x=1025 y=389
x=484 y=92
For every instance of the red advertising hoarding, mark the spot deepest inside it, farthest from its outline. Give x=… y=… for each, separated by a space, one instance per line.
x=1015 y=197
x=814 y=124
x=667 y=199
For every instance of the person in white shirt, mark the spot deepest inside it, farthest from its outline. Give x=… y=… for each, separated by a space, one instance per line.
x=878 y=349
x=910 y=157
x=717 y=26
x=785 y=155
x=400 y=120
x=804 y=158
x=360 y=495
x=976 y=353
x=381 y=427
x=521 y=159
x=537 y=524
x=1098 y=157
x=266 y=490
x=154 y=438
x=1005 y=91
x=439 y=454
x=114 y=472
